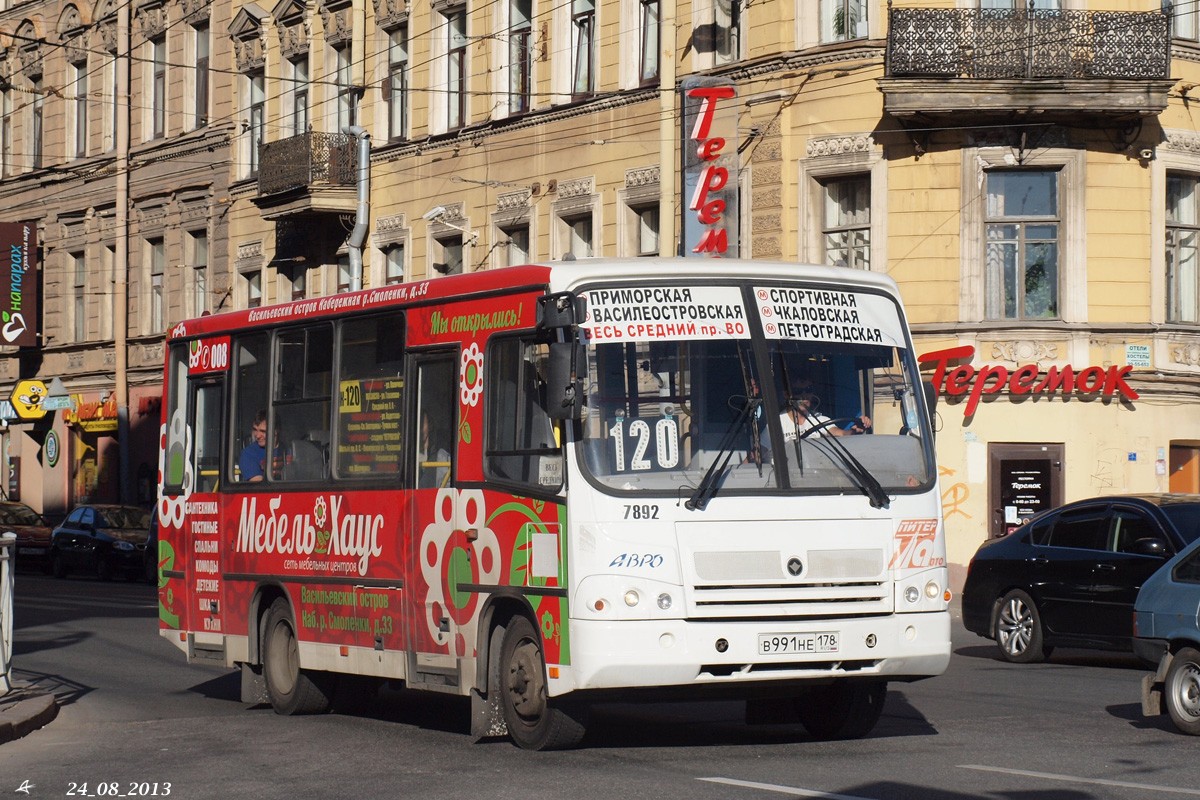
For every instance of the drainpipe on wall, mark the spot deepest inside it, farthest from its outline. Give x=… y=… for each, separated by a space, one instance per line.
x=362 y=216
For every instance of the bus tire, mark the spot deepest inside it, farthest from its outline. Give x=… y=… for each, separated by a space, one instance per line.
x=292 y=690
x=845 y=709
x=534 y=721
x=1181 y=691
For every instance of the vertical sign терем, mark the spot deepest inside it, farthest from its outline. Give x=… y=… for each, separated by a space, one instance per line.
x=709 y=167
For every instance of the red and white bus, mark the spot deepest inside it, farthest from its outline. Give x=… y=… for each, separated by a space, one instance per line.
x=551 y=485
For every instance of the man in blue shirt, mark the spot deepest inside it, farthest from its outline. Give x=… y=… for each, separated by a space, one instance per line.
x=252 y=463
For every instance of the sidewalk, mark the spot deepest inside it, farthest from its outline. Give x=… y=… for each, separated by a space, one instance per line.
x=25 y=709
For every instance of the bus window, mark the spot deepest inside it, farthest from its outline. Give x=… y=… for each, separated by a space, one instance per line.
x=437 y=380
x=176 y=457
x=522 y=444
x=300 y=411
x=370 y=392
x=207 y=405
x=251 y=391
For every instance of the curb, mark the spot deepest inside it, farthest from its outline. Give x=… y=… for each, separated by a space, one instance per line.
x=25 y=713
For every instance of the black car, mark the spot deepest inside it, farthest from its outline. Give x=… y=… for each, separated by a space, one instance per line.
x=105 y=540
x=1070 y=575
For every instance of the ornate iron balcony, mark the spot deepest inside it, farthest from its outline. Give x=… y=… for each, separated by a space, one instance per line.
x=309 y=160
x=1007 y=44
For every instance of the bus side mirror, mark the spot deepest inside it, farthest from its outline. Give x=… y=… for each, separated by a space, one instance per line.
x=564 y=394
x=561 y=310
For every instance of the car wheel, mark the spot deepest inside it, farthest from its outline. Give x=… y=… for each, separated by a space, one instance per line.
x=534 y=722
x=1017 y=629
x=842 y=710
x=58 y=565
x=292 y=690
x=1181 y=691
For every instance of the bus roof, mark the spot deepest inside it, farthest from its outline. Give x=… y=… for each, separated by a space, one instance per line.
x=558 y=276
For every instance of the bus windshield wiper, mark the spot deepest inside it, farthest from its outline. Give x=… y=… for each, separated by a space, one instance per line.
x=708 y=484
x=862 y=477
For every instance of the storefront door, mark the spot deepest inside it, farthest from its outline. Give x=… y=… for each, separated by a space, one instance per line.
x=1023 y=479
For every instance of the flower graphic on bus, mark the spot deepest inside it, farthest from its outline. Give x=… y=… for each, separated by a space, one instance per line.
x=470 y=377
x=320 y=517
x=174 y=469
x=449 y=559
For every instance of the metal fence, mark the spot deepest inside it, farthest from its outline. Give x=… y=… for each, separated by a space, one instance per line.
x=1002 y=43
x=310 y=159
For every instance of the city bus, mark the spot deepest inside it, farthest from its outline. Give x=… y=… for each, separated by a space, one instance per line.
x=549 y=486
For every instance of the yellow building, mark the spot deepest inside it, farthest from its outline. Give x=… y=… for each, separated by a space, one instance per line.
x=1028 y=177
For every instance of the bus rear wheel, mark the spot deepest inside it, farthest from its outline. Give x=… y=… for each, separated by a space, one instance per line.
x=292 y=690
x=534 y=721
x=842 y=710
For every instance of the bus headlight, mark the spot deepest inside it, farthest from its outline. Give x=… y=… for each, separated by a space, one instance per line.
x=632 y=598
x=664 y=601
x=932 y=590
x=912 y=594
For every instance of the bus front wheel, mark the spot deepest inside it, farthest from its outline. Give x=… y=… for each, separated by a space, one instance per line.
x=842 y=710
x=292 y=690
x=534 y=722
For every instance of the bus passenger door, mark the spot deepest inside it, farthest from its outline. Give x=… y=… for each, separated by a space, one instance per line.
x=201 y=527
x=436 y=534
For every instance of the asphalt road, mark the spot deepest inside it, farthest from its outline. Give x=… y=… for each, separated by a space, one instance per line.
x=136 y=720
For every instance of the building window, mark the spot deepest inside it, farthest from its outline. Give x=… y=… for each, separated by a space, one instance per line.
x=514 y=247
x=298 y=95
x=520 y=55
x=1183 y=249
x=79 y=311
x=110 y=81
x=199 y=272
x=343 y=273
x=158 y=83
x=293 y=283
x=78 y=76
x=203 y=49
x=393 y=264
x=107 y=271
x=456 y=68
x=1021 y=257
x=347 y=92
x=158 y=265
x=646 y=235
x=583 y=32
x=648 y=51
x=448 y=254
x=5 y=133
x=843 y=19
x=846 y=228
x=396 y=90
x=257 y=122
x=35 y=122
x=578 y=236
x=252 y=285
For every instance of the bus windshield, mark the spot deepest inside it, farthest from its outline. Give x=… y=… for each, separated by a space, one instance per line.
x=777 y=404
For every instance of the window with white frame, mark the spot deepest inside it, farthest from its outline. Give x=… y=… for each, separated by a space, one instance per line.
x=108 y=262
x=251 y=281
x=396 y=89
x=520 y=55
x=648 y=41
x=79 y=305
x=1183 y=248
x=727 y=31
x=846 y=222
x=77 y=76
x=347 y=92
x=293 y=282
x=514 y=247
x=157 y=255
x=198 y=264
x=456 y=67
x=158 y=86
x=1185 y=21
x=583 y=43
x=257 y=108
x=297 y=94
x=1021 y=256
x=36 y=118
x=448 y=254
x=393 y=263
x=645 y=232
x=578 y=240
x=202 y=51
x=842 y=20
x=112 y=106
x=344 y=278
x=6 y=132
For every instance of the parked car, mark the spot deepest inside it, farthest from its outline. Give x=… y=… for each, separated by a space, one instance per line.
x=33 y=534
x=1069 y=576
x=1166 y=633
x=106 y=540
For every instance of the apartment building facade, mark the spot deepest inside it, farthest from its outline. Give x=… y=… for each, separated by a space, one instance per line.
x=1025 y=171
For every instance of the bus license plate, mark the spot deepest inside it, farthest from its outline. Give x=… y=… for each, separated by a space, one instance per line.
x=797 y=644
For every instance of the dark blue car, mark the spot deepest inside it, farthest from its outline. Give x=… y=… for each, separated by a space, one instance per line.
x=1167 y=633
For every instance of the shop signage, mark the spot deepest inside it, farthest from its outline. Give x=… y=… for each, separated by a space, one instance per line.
x=710 y=181
x=50 y=448
x=94 y=416
x=965 y=379
x=27 y=399
x=18 y=284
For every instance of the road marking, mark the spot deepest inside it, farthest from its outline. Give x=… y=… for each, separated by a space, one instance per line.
x=792 y=790
x=1050 y=776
